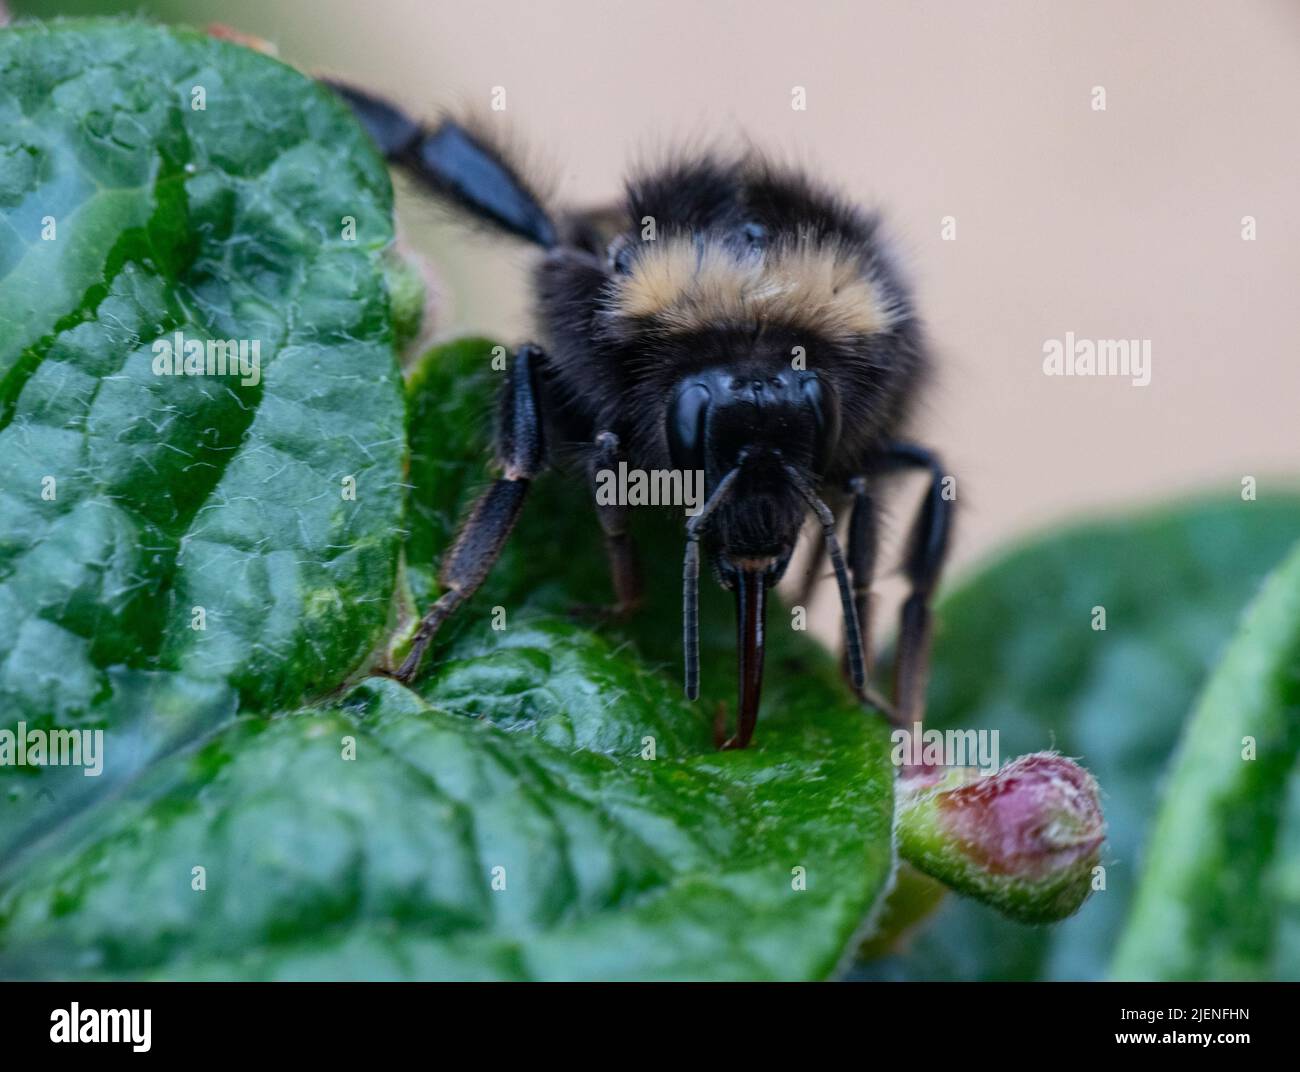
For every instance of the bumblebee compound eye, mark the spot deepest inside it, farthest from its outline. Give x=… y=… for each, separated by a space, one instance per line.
x=820 y=398
x=687 y=413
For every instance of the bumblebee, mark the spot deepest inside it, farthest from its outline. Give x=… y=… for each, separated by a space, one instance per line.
x=733 y=318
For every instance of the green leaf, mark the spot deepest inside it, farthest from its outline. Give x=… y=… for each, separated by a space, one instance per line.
x=136 y=506
x=266 y=809
x=1017 y=653
x=528 y=755
x=1219 y=887
x=383 y=866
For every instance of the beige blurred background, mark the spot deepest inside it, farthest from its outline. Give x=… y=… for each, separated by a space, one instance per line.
x=1122 y=223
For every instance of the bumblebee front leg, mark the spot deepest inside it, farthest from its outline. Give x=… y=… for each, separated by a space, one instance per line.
x=624 y=565
x=861 y=555
x=521 y=453
x=927 y=549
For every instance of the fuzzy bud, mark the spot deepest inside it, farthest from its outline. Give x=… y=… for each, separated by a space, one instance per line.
x=1025 y=839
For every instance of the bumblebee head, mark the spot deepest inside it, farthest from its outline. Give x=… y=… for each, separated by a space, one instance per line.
x=762 y=442
x=746 y=418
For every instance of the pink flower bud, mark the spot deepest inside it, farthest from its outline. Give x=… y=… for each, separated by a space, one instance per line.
x=1025 y=839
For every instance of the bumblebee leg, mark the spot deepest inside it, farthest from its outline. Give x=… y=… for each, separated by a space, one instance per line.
x=456 y=164
x=926 y=551
x=393 y=131
x=624 y=565
x=861 y=562
x=521 y=453
x=861 y=555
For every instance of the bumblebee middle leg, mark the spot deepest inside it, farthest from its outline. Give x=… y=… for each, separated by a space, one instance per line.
x=927 y=549
x=624 y=565
x=521 y=453
x=861 y=554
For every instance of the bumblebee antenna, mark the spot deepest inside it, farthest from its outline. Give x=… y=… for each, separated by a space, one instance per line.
x=852 y=631
x=691 y=583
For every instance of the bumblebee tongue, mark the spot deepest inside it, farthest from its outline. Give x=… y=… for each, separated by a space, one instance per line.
x=751 y=601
